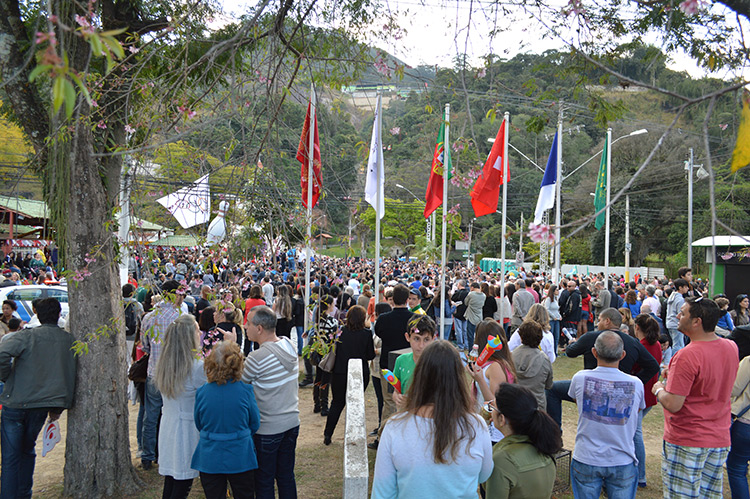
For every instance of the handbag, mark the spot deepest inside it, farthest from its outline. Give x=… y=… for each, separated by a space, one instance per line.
x=328 y=360
x=138 y=370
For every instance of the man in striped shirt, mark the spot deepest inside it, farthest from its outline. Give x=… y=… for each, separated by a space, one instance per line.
x=273 y=370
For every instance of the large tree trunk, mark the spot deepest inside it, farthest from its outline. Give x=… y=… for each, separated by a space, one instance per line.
x=97 y=455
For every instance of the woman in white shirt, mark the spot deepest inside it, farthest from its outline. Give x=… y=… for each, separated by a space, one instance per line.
x=539 y=314
x=553 y=309
x=437 y=447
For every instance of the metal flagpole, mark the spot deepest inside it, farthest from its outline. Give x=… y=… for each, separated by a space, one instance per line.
x=506 y=119
x=558 y=191
x=308 y=239
x=606 y=223
x=378 y=170
x=446 y=152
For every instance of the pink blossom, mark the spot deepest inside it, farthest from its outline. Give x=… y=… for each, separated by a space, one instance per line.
x=541 y=232
x=53 y=19
x=85 y=25
x=46 y=37
x=101 y=125
x=574 y=7
x=723 y=126
x=129 y=129
x=89 y=259
x=396 y=130
x=382 y=67
x=133 y=49
x=690 y=7
x=482 y=73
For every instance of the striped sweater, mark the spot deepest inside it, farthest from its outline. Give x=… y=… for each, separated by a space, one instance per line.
x=273 y=370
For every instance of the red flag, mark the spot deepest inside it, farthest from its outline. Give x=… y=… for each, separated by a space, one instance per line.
x=302 y=155
x=441 y=158
x=486 y=190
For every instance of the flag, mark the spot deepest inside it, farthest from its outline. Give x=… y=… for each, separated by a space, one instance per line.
x=547 y=192
x=375 y=169
x=741 y=154
x=600 y=196
x=302 y=157
x=486 y=190
x=441 y=159
x=189 y=205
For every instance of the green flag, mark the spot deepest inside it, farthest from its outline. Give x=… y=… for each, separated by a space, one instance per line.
x=600 y=197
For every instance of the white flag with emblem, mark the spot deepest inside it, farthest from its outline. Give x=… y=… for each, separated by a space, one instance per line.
x=375 y=169
x=190 y=205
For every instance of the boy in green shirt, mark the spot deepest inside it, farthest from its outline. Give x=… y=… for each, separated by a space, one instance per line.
x=419 y=334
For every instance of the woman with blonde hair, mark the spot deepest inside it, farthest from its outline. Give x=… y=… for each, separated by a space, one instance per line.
x=178 y=375
x=628 y=324
x=227 y=416
x=537 y=313
x=438 y=446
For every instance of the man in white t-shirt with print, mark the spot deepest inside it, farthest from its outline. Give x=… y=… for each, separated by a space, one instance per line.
x=608 y=404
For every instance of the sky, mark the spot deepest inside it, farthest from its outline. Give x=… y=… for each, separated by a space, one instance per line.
x=434 y=31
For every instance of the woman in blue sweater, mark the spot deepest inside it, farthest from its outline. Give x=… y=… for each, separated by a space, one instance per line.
x=227 y=416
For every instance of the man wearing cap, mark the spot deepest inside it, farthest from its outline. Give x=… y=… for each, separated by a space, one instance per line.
x=415 y=300
x=153 y=327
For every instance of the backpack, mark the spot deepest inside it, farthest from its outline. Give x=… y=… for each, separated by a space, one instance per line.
x=131 y=320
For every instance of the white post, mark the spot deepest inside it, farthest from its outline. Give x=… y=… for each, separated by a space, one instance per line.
x=558 y=190
x=446 y=149
x=124 y=228
x=606 y=214
x=378 y=172
x=308 y=238
x=356 y=472
x=506 y=120
x=433 y=226
x=690 y=212
x=627 y=238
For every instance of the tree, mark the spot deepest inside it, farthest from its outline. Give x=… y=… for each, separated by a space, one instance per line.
x=92 y=95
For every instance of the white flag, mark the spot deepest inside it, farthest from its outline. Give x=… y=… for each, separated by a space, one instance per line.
x=375 y=168
x=190 y=205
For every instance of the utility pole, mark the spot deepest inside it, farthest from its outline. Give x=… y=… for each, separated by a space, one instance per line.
x=520 y=236
x=627 y=238
x=468 y=259
x=606 y=229
x=689 y=168
x=558 y=191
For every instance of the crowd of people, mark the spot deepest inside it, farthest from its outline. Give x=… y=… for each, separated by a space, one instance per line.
x=221 y=346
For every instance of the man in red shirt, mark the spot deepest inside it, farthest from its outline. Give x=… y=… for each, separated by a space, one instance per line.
x=696 y=401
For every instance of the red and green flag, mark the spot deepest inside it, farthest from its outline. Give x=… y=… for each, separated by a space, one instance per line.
x=441 y=159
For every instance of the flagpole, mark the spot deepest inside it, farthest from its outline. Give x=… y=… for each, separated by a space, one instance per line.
x=558 y=191
x=378 y=170
x=606 y=228
x=308 y=240
x=506 y=119
x=446 y=149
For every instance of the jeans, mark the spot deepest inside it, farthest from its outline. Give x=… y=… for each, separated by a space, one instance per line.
x=470 y=330
x=276 y=463
x=620 y=482
x=554 y=327
x=555 y=396
x=737 y=460
x=300 y=339
x=640 y=449
x=18 y=431
x=150 y=421
x=460 y=325
x=678 y=340
x=446 y=330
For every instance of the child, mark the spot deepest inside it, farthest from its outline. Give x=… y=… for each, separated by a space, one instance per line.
x=420 y=333
x=666 y=352
x=725 y=325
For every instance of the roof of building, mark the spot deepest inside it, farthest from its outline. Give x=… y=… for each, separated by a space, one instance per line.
x=181 y=241
x=723 y=241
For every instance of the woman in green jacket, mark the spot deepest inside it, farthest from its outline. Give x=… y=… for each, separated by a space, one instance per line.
x=523 y=459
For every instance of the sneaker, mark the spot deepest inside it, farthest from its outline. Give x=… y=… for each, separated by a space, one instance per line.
x=641 y=485
x=374 y=433
x=146 y=464
x=373 y=445
x=324 y=412
x=306 y=382
x=326 y=440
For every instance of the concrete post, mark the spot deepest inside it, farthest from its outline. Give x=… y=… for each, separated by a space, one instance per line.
x=356 y=470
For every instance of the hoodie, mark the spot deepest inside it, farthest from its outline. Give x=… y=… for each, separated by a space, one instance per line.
x=533 y=371
x=273 y=371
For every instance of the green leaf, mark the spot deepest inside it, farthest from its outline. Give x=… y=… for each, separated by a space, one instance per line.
x=82 y=87
x=492 y=114
x=428 y=108
x=42 y=68
x=96 y=44
x=58 y=93
x=70 y=97
x=114 y=45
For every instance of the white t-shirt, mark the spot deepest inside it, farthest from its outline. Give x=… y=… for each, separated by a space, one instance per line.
x=608 y=402
x=404 y=466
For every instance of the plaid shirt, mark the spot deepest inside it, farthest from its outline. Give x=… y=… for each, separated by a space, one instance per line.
x=154 y=325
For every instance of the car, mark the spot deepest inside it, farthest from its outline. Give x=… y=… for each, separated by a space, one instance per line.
x=24 y=295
